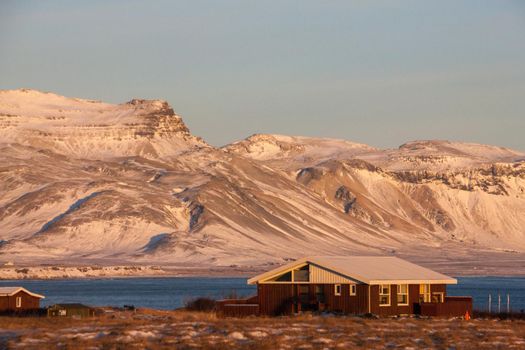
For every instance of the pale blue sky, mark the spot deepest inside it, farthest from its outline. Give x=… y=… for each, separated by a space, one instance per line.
x=377 y=72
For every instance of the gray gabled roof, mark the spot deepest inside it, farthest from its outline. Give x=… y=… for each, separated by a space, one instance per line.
x=368 y=269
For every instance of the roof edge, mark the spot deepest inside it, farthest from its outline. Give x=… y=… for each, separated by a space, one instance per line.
x=422 y=281
x=275 y=271
x=18 y=289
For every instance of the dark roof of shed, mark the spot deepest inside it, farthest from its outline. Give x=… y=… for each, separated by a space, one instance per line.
x=71 y=306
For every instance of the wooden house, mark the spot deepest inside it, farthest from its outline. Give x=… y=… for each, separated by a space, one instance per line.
x=75 y=310
x=18 y=299
x=378 y=285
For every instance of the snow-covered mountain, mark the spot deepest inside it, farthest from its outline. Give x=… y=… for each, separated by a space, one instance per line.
x=84 y=181
x=91 y=129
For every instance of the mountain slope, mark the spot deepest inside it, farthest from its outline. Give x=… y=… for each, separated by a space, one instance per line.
x=92 y=129
x=84 y=181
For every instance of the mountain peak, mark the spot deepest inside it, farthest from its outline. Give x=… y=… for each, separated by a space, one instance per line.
x=93 y=129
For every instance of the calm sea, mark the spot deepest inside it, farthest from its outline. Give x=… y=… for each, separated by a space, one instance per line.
x=170 y=293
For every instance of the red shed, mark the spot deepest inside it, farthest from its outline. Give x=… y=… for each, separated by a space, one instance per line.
x=18 y=299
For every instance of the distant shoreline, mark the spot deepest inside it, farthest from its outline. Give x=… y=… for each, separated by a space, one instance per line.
x=132 y=271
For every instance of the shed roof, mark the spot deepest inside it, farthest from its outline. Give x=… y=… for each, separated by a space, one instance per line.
x=70 y=306
x=368 y=269
x=10 y=291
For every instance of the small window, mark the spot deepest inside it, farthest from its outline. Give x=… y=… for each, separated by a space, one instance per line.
x=384 y=295
x=337 y=289
x=18 y=301
x=438 y=297
x=424 y=293
x=402 y=294
x=352 y=289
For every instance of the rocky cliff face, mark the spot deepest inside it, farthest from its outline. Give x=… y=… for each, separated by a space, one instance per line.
x=88 y=181
x=92 y=129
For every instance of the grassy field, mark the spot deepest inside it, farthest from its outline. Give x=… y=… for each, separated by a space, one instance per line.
x=188 y=330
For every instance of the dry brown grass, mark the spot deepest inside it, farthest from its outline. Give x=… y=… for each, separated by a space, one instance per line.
x=188 y=330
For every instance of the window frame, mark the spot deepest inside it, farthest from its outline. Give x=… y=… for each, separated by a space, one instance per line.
x=399 y=293
x=388 y=294
x=337 y=289
x=353 y=290
x=18 y=302
x=441 y=296
x=425 y=290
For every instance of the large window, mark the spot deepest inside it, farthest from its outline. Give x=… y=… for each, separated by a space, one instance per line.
x=285 y=277
x=384 y=295
x=424 y=293
x=402 y=294
x=352 y=289
x=302 y=274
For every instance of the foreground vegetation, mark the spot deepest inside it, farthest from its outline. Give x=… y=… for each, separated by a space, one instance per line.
x=187 y=330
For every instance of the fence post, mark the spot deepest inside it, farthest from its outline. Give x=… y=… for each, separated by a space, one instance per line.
x=490 y=303
x=499 y=303
x=508 y=303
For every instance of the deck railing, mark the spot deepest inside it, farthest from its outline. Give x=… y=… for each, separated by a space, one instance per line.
x=451 y=307
x=237 y=307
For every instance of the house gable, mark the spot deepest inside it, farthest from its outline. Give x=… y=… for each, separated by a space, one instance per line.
x=307 y=272
x=320 y=274
x=371 y=270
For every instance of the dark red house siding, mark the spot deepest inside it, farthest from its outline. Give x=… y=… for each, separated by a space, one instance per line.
x=394 y=308
x=8 y=303
x=346 y=303
x=277 y=299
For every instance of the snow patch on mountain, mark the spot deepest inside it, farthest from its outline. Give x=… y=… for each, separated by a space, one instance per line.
x=84 y=181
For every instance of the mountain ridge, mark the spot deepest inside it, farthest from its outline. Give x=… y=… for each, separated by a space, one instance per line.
x=83 y=180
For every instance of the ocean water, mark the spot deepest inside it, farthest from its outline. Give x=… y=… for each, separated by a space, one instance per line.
x=480 y=288
x=173 y=292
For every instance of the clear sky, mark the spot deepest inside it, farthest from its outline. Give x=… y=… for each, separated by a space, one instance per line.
x=377 y=72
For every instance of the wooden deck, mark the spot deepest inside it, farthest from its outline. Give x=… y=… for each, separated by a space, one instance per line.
x=452 y=307
x=238 y=307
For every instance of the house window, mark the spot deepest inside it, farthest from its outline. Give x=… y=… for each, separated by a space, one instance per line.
x=285 y=277
x=438 y=297
x=384 y=295
x=402 y=294
x=18 y=301
x=424 y=293
x=352 y=289
x=302 y=274
x=337 y=289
